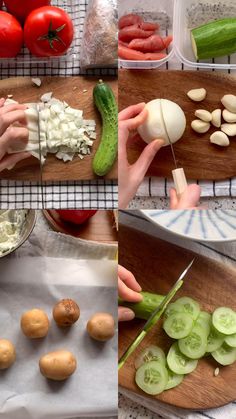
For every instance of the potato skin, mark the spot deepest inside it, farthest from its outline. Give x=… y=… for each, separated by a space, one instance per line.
x=58 y=365
x=7 y=354
x=35 y=324
x=66 y=312
x=101 y=326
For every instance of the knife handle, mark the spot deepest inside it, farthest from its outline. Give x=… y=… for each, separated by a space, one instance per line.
x=179 y=181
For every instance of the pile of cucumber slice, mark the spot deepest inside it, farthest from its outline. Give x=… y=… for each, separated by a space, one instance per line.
x=197 y=334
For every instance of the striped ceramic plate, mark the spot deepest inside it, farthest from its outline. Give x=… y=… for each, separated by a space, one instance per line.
x=202 y=225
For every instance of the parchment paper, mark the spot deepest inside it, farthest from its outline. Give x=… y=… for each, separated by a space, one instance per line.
x=39 y=282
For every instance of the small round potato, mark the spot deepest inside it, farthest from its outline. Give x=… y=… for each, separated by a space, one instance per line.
x=57 y=365
x=35 y=324
x=7 y=354
x=101 y=326
x=66 y=312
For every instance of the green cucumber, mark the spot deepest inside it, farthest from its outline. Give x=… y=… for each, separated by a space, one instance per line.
x=151 y=353
x=106 y=154
x=214 y=39
x=152 y=377
x=144 y=308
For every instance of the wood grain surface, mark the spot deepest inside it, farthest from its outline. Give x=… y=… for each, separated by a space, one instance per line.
x=157 y=265
x=100 y=228
x=200 y=159
x=78 y=93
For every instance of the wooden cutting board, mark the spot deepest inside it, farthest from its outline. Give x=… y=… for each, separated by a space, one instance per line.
x=100 y=228
x=200 y=159
x=157 y=265
x=78 y=93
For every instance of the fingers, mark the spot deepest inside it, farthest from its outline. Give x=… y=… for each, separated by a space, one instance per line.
x=11 y=160
x=10 y=118
x=141 y=166
x=2 y=101
x=128 y=278
x=14 y=138
x=134 y=123
x=127 y=294
x=188 y=200
x=125 y=314
x=12 y=107
x=131 y=111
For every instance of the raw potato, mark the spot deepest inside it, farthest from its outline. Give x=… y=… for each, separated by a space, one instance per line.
x=7 y=354
x=229 y=102
x=101 y=326
x=216 y=118
x=166 y=121
x=229 y=129
x=219 y=138
x=229 y=116
x=203 y=115
x=57 y=365
x=35 y=324
x=66 y=312
x=200 y=126
x=197 y=95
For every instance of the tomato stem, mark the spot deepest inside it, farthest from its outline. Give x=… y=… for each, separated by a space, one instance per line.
x=52 y=35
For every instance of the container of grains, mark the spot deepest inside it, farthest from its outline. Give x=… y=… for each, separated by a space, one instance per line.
x=189 y=14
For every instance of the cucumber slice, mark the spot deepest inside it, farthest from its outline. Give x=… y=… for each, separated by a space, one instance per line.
x=195 y=344
x=179 y=363
x=173 y=308
x=225 y=355
x=152 y=353
x=224 y=320
x=190 y=306
x=178 y=325
x=215 y=340
x=173 y=379
x=231 y=340
x=152 y=377
x=204 y=320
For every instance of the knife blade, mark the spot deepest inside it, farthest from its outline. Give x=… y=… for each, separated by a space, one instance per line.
x=154 y=316
x=40 y=158
x=178 y=174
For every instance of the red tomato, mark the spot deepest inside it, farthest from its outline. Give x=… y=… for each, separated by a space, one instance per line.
x=76 y=216
x=21 y=9
x=48 y=31
x=11 y=35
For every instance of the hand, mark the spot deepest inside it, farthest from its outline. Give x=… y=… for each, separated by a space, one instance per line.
x=131 y=176
x=128 y=290
x=11 y=135
x=189 y=199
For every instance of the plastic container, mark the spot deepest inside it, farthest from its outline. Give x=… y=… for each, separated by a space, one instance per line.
x=25 y=57
x=192 y=13
x=160 y=11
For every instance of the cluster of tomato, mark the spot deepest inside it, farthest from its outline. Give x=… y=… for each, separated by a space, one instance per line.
x=44 y=29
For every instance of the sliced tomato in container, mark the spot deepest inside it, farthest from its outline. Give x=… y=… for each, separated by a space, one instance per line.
x=150 y=44
x=48 y=32
x=128 y=20
x=133 y=32
x=11 y=35
x=22 y=8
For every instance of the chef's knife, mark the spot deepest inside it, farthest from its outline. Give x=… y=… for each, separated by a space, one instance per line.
x=178 y=174
x=154 y=317
x=40 y=158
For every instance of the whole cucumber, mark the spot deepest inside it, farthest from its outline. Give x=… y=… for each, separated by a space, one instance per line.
x=106 y=154
x=145 y=308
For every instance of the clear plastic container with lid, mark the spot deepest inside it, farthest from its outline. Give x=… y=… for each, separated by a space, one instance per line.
x=189 y=14
x=25 y=57
x=160 y=12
